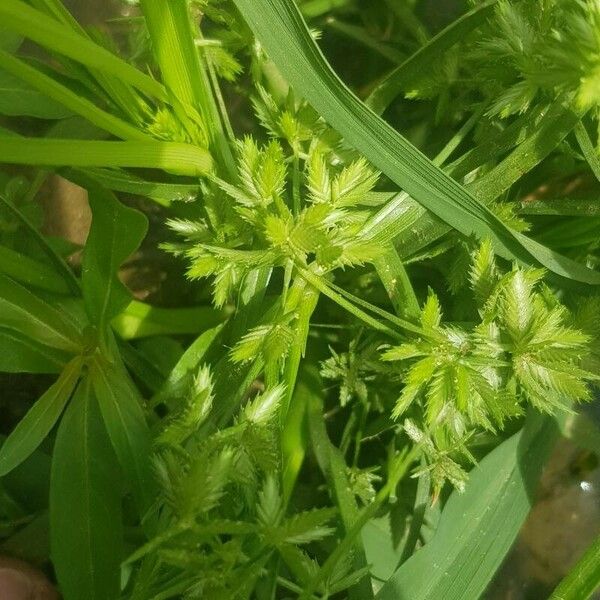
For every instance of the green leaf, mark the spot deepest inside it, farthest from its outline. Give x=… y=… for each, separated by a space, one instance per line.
x=478 y=527
x=162 y=193
x=142 y=320
x=41 y=418
x=22 y=19
x=116 y=232
x=31 y=272
x=120 y=405
x=280 y=27
x=187 y=366
x=182 y=159
x=27 y=91
x=85 y=504
x=421 y=61
x=42 y=278
x=19 y=354
x=19 y=99
x=34 y=317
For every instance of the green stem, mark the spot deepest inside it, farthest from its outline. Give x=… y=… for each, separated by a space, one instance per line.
x=395 y=279
x=399 y=469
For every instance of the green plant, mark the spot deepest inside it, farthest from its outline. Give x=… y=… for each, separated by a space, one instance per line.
x=379 y=321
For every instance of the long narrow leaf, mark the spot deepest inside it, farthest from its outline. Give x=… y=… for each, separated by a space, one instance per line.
x=422 y=60
x=21 y=18
x=41 y=418
x=85 y=504
x=35 y=317
x=182 y=159
x=130 y=437
x=50 y=88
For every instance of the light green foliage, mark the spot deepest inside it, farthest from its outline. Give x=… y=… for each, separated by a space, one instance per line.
x=522 y=351
x=258 y=226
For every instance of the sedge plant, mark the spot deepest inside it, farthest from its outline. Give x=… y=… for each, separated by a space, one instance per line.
x=383 y=232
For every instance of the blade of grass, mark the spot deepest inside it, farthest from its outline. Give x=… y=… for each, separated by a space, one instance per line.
x=162 y=193
x=49 y=33
x=76 y=103
x=281 y=29
x=478 y=527
x=395 y=279
x=118 y=90
x=183 y=72
x=174 y=157
x=421 y=61
x=587 y=147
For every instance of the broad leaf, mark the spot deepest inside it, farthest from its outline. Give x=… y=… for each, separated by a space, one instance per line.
x=116 y=233
x=37 y=423
x=478 y=527
x=85 y=504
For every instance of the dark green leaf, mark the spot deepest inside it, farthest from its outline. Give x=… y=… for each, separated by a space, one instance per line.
x=19 y=354
x=85 y=504
x=37 y=423
x=120 y=405
x=34 y=317
x=19 y=99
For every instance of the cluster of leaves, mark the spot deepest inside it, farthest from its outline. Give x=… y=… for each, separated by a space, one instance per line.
x=528 y=53
x=523 y=352
x=261 y=227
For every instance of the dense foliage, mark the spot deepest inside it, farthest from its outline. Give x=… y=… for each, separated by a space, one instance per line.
x=371 y=327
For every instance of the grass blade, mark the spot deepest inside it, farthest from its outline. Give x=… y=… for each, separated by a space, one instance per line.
x=422 y=60
x=46 y=31
x=74 y=102
x=183 y=159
